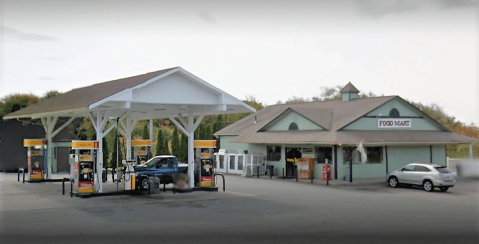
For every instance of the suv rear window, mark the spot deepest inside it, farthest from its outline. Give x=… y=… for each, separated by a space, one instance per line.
x=442 y=169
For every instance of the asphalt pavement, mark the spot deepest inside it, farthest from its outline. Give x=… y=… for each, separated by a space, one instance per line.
x=253 y=210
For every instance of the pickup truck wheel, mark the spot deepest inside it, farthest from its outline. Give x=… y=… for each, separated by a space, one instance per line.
x=144 y=183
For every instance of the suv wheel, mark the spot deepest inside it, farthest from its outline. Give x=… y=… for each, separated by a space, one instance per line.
x=393 y=182
x=428 y=186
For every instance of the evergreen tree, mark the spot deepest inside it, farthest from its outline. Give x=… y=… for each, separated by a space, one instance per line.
x=175 y=143
x=183 y=148
x=145 y=135
x=208 y=135
x=198 y=133
x=106 y=155
x=159 y=143
x=166 y=148
x=112 y=163
x=219 y=124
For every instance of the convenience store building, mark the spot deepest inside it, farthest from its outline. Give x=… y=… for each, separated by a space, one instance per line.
x=393 y=132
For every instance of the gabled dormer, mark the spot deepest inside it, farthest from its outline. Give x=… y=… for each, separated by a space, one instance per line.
x=291 y=120
x=349 y=92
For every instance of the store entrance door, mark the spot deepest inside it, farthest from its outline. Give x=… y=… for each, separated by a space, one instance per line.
x=291 y=155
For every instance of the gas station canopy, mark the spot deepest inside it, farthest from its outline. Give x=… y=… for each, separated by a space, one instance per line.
x=158 y=94
x=171 y=93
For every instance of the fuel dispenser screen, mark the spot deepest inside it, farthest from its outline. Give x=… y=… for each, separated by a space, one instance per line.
x=85 y=177
x=206 y=178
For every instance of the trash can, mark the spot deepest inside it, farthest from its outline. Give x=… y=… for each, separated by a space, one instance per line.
x=154 y=185
x=103 y=175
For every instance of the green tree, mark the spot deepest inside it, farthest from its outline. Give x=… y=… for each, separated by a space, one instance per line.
x=183 y=148
x=15 y=102
x=106 y=155
x=208 y=134
x=166 y=148
x=145 y=135
x=113 y=158
x=218 y=125
x=50 y=94
x=161 y=144
x=175 y=143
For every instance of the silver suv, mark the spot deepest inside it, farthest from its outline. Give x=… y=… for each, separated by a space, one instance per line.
x=426 y=175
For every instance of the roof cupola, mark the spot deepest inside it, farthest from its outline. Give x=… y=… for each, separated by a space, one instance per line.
x=349 y=92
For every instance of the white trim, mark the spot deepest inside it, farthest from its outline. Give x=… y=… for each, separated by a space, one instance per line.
x=181 y=127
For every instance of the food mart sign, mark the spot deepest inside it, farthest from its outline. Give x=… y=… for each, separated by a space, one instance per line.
x=394 y=123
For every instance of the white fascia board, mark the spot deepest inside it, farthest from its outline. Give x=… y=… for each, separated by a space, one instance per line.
x=80 y=112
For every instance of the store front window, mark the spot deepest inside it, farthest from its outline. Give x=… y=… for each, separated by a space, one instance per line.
x=273 y=153
x=350 y=152
x=324 y=155
x=375 y=155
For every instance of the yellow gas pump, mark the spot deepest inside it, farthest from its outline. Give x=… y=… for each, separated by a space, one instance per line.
x=204 y=164
x=85 y=174
x=35 y=158
x=140 y=156
x=206 y=178
x=84 y=166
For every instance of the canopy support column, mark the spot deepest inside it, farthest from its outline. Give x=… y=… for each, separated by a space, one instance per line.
x=99 y=121
x=151 y=139
x=470 y=151
x=126 y=131
x=50 y=132
x=189 y=131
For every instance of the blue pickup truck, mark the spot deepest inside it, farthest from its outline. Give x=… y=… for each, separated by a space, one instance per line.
x=163 y=167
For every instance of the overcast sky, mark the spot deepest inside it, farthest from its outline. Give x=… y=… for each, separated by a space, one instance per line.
x=424 y=51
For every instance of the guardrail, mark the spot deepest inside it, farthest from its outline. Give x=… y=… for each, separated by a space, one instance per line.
x=223 y=180
x=23 y=170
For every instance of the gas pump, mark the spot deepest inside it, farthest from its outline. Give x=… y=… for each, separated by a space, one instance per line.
x=85 y=174
x=206 y=173
x=35 y=158
x=128 y=177
x=140 y=156
x=85 y=163
x=204 y=164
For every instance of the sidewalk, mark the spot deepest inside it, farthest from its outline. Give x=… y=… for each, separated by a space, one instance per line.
x=319 y=181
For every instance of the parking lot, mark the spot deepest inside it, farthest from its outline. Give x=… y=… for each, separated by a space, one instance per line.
x=256 y=210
